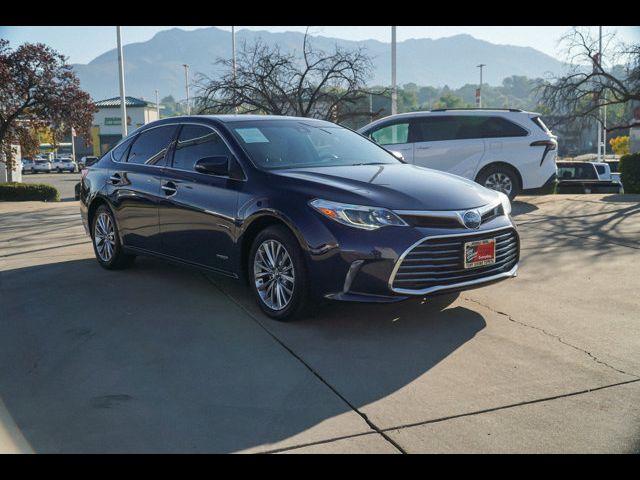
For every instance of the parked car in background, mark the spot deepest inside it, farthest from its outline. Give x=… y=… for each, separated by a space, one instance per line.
x=302 y=209
x=40 y=165
x=587 y=177
x=510 y=151
x=614 y=166
x=63 y=164
x=86 y=161
x=27 y=164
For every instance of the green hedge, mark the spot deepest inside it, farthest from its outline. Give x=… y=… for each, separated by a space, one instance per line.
x=630 y=172
x=22 y=192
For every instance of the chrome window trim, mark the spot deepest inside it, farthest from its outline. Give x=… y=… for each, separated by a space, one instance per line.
x=201 y=124
x=510 y=273
x=449 y=214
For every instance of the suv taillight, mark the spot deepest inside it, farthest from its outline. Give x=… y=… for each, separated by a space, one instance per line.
x=549 y=144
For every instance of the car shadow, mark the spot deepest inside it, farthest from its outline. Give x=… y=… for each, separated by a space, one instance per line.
x=161 y=358
x=522 y=208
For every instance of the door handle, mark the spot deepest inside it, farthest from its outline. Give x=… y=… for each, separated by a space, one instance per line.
x=169 y=188
x=115 y=178
x=423 y=148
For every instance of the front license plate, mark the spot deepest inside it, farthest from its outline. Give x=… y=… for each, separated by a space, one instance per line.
x=480 y=253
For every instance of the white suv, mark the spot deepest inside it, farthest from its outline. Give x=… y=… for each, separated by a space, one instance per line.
x=506 y=150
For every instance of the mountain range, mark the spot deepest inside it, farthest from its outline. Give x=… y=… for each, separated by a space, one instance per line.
x=157 y=63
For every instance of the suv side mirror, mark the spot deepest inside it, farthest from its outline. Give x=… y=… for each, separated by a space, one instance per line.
x=216 y=165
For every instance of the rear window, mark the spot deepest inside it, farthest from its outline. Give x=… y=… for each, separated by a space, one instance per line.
x=461 y=127
x=577 y=171
x=540 y=124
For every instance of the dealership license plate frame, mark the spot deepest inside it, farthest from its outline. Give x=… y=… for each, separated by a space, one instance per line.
x=481 y=262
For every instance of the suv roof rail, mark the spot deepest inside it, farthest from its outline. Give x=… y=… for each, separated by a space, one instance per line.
x=502 y=109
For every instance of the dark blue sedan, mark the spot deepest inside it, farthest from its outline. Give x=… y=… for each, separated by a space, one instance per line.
x=301 y=209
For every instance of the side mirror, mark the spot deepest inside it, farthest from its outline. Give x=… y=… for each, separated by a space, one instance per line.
x=90 y=161
x=398 y=155
x=217 y=165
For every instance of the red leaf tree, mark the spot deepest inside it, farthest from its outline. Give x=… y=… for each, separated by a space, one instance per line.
x=38 y=89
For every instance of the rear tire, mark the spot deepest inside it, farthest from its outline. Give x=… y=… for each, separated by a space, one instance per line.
x=275 y=258
x=501 y=178
x=106 y=241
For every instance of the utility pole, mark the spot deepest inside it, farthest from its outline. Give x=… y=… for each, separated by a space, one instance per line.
x=394 y=86
x=157 y=105
x=233 y=53
x=479 y=92
x=123 y=106
x=186 y=86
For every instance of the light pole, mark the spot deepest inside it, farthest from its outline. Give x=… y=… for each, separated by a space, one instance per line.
x=600 y=124
x=123 y=106
x=157 y=105
x=394 y=87
x=233 y=56
x=479 y=95
x=186 y=86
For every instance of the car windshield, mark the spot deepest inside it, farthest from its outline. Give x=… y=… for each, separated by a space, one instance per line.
x=281 y=144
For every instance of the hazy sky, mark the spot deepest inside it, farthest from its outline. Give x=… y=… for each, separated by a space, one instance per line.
x=83 y=44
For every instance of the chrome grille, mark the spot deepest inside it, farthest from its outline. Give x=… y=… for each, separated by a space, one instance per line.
x=439 y=261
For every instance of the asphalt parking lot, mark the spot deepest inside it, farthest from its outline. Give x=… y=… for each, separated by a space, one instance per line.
x=161 y=358
x=64 y=182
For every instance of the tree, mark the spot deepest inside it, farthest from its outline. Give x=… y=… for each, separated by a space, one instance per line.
x=588 y=84
x=449 y=100
x=620 y=145
x=323 y=85
x=39 y=89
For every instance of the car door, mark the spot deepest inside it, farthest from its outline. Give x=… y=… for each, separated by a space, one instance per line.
x=394 y=136
x=134 y=185
x=198 y=211
x=451 y=143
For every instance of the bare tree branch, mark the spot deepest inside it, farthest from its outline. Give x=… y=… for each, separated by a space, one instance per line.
x=326 y=85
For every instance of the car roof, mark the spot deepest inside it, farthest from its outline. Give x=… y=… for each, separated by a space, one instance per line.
x=460 y=111
x=231 y=118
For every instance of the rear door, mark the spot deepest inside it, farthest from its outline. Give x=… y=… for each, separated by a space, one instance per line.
x=134 y=185
x=451 y=143
x=197 y=211
x=394 y=136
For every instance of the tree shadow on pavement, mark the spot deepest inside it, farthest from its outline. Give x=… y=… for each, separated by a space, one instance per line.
x=159 y=359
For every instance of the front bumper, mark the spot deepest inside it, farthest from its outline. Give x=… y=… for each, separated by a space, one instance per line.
x=362 y=266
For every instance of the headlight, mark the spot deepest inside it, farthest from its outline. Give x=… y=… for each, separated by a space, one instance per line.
x=367 y=218
x=506 y=203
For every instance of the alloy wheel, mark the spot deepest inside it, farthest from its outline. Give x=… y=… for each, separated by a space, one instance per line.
x=500 y=182
x=274 y=274
x=104 y=237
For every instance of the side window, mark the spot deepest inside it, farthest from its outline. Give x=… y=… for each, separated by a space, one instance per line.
x=119 y=154
x=151 y=146
x=196 y=142
x=436 y=128
x=391 y=134
x=495 y=127
x=601 y=170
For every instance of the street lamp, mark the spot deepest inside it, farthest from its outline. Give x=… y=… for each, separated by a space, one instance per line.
x=394 y=87
x=123 y=106
x=479 y=92
x=233 y=54
x=186 y=86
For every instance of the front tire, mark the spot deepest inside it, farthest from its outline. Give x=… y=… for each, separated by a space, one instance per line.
x=106 y=241
x=501 y=178
x=277 y=274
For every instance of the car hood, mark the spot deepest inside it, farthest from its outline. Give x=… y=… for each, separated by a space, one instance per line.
x=394 y=186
